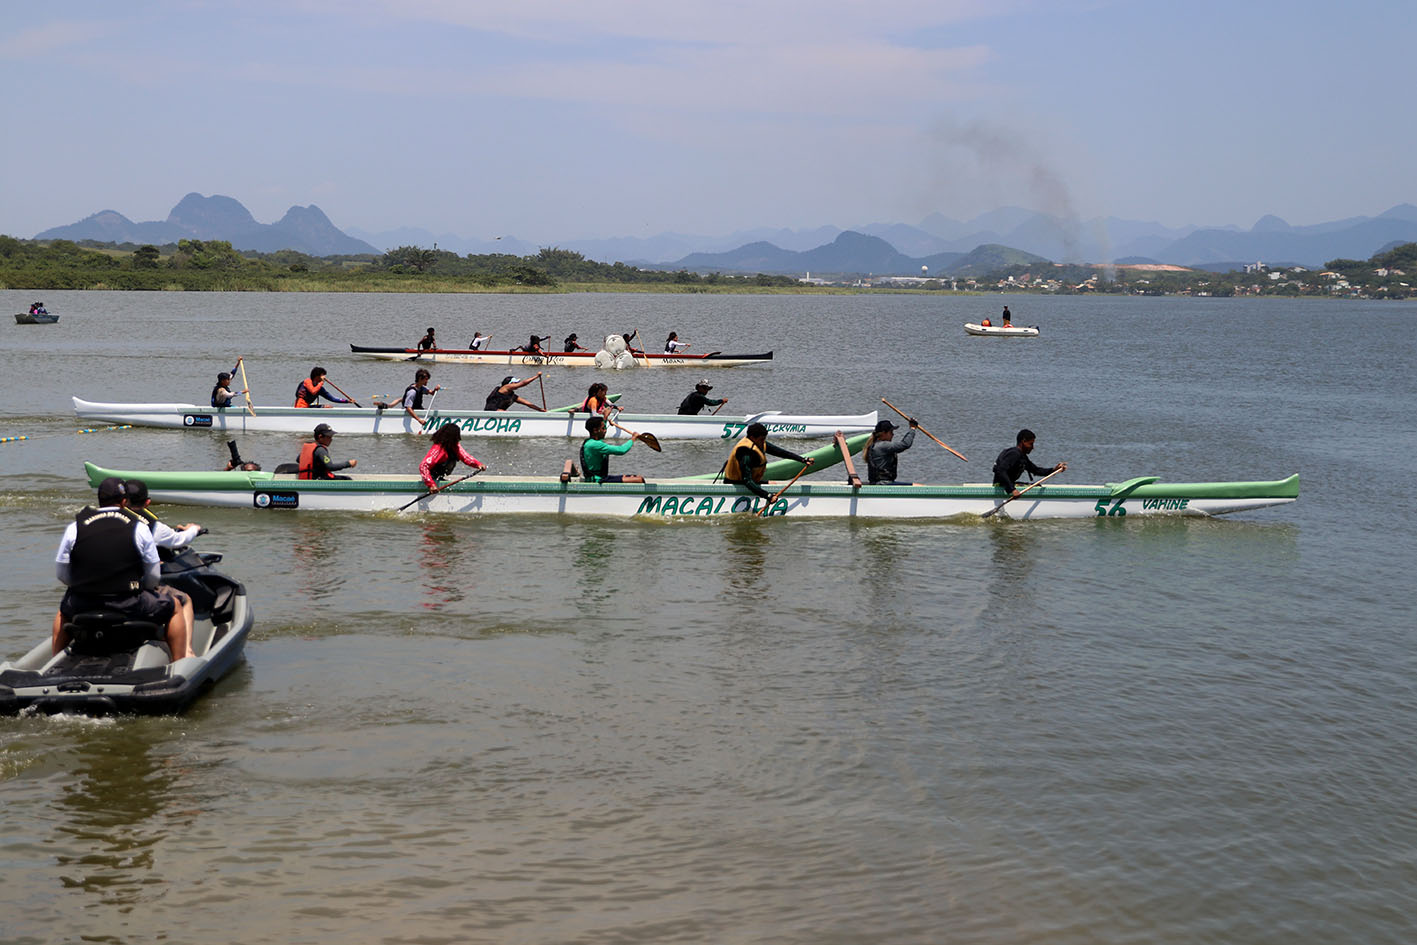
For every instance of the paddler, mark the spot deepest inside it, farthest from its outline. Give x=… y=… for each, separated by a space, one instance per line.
x=1013 y=461
x=310 y=390
x=597 y=400
x=443 y=456
x=222 y=394
x=505 y=394
x=596 y=453
x=882 y=449
x=698 y=399
x=748 y=462
x=413 y=394
x=571 y=344
x=315 y=462
x=428 y=342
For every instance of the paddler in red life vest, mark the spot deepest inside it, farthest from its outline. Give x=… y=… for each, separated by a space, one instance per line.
x=315 y=462
x=443 y=457
x=748 y=462
x=312 y=389
x=597 y=400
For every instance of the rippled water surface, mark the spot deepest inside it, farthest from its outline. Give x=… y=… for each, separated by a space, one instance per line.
x=541 y=730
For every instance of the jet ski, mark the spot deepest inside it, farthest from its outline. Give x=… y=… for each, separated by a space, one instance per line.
x=114 y=665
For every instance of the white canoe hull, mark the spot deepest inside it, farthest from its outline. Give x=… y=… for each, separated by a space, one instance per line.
x=487 y=423
x=673 y=498
x=1013 y=331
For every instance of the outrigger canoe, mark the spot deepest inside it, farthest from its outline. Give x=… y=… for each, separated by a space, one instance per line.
x=704 y=496
x=499 y=423
x=558 y=358
x=1012 y=331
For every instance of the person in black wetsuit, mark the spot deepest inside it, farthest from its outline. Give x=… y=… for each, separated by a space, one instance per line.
x=698 y=399
x=1014 y=461
x=505 y=394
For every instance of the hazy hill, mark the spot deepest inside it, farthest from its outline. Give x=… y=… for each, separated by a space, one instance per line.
x=854 y=253
x=305 y=229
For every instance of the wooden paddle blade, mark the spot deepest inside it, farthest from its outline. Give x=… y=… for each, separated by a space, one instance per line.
x=650 y=440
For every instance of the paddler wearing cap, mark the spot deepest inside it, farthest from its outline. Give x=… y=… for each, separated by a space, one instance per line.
x=505 y=394
x=315 y=462
x=698 y=399
x=222 y=394
x=883 y=448
x=748 y=462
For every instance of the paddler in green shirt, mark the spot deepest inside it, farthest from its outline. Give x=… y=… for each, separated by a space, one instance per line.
x=596 y=453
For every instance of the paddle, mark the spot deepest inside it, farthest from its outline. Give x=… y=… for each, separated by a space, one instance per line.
x=719 y=407
x=241 y=363
x=852 y=480
x=439 y=489
x=648 y=439
x=925 y=431
x=768 y=505
x=342 y=393
x=1031 y=485
x=643 y=350
x=543 y=391
x=428 y=410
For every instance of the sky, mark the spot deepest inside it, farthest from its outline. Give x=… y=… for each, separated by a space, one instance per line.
x=557 y=120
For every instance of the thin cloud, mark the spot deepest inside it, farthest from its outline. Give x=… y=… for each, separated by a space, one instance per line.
x=39 y=42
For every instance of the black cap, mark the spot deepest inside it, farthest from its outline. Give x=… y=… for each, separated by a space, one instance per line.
x=883 y=425
x=111 y=490
x=324 y=428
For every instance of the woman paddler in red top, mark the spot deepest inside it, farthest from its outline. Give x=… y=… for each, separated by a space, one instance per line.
x=443 y=456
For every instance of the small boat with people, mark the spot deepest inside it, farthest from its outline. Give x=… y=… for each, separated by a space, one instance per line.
x=1001 y=331
x=393 y=419
x=37 y=315
x=115 y=665
x=703 y=495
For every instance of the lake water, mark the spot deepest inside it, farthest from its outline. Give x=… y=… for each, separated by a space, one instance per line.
x=528 y=730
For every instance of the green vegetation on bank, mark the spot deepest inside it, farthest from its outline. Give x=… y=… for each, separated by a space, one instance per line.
x=214 y=266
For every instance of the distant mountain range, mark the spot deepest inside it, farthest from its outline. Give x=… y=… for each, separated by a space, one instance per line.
x=305 y=229
x=945 y=245
x=1103 y=239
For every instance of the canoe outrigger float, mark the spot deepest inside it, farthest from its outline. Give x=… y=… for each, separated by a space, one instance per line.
x=394 y=419
x=559 y=358
x=697 y=496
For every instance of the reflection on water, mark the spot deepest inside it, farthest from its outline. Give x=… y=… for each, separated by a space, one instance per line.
x=117 y=806
x=314 y=553
x=746 y=544
x=438 y=555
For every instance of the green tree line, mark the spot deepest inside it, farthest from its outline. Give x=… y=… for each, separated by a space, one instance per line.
x=214 y=265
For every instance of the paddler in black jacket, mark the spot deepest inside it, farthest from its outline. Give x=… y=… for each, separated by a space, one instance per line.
x=748 y=462
x=1013 y=461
